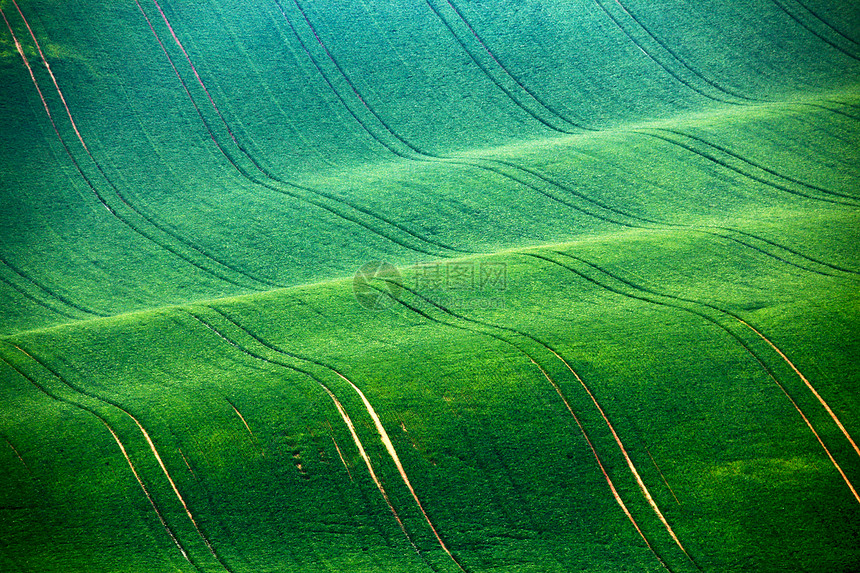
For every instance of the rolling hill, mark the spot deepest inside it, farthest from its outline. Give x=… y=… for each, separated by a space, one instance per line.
x=616 y=328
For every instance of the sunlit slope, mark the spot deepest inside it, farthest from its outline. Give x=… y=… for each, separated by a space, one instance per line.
x=249 y=434
x=210 y=149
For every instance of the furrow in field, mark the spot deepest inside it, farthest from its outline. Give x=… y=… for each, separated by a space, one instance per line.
x=35 y=300
x=736 y=337
x=284 y=191
x=806 y=382
x=545 y=374
x=122 y=448
x=146 y=437
x=347 y=420
x=18 y=455
x=386 y=440
x=498 y=83
x=507 y=72
x=677 y=57
x=826 y=23
x=175 y=489
x=120 y=195
x=662 y=475
x=643 y=488
x=759 y=165
x=51 y=73
x=612 y=488
x=519 y=180
x=383 y=434
x=815 y=33
x=101 y=199
x=730 y=167
x=241 y=417
x=651 y=57
x=65 y=300
x=339 y=451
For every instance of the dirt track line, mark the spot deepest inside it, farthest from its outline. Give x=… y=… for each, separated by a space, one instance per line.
x=386 y=440
x=730 y=167
x=736 y=337
x=660 y=64
x=102 y=200
x=806 y=382
x=826 y=23
x=681 y=60
x=146 y=492
x=609 y=481
x=627 y=459
x=510 y=94
x=173 y=486
x=194 y=69
x=758 y=165
x=339 y=452
x=241 y=417
x=51 y=73
x=341 y=410
x=507 y=72
x=547 y=376
x=115 y=437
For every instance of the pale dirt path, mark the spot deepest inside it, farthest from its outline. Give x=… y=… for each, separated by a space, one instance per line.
x=361 y=451
x=146 y=492
x=627 y=459
x=173 y=485
x=669 y=487
x=53 y=79
x=339 y=452
x=600 y=463
x=807 y=383
x=393 y=454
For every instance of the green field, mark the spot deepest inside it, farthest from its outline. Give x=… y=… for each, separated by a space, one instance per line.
x=618 y=331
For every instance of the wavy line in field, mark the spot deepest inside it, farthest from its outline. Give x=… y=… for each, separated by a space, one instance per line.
x=812 y=389
x=52 y=293
x=98 y=194
x=643 y=488
x=630 y=465
x=730 y=167
x=341 y=410
x=508 y=73
x=759 y=165
x=267 y=174
x=35 y=300
x=662 y=475
x=735 y=336
x=380 y=429
x=123 y=198
x=386 y=440
x=51 y=73
x=551 y=381
x=665 y=68
x=552 y=197
x=137 y=477
x=818 y=35
x=149 y=441
x=339 y=451
x=508 y=92
x=612 y=488
x=17 y=454
x=826 y=23
x=241 y=417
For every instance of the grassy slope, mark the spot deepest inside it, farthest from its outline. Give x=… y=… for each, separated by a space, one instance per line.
x=722 y=185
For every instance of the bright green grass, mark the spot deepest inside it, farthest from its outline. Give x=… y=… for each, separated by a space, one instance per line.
x=648 y=176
